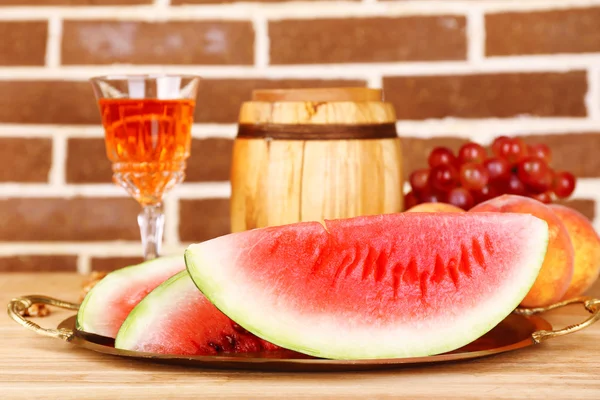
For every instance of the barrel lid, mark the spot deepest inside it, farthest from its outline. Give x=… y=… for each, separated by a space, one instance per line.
x=353 y=94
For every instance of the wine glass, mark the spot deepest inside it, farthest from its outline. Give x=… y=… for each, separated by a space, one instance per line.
x=147 y=121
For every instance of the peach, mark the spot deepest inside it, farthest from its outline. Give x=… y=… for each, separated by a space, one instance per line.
x=586 y=244
x=557 y=270
x=435 y=207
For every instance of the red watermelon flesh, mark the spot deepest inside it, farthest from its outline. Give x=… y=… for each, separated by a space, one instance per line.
x=109 y=302
x=385 y=286
x=176 y=318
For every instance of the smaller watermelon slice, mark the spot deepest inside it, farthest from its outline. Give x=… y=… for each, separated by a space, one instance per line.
x=107 y=305
x=176 y=318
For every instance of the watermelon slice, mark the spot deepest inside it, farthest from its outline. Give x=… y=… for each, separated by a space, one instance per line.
x=387 y=286
x=175 y=318
x=106 y=306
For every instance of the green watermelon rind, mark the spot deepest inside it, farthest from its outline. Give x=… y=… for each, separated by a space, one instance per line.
x=205 y=275
x=85 y=316
x=149 y=308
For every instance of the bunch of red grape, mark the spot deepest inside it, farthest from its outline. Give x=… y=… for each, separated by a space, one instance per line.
x=471 y=176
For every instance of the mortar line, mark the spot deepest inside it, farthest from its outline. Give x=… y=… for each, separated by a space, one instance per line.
x=171 y=210
x=261 y=41
x=201 y=190
x=105 y=249
x=475 y=36
x=375 y=81
x=84 y=264
x=53 y=42
x=511 y=64
x=57 y=173
x=592 y=98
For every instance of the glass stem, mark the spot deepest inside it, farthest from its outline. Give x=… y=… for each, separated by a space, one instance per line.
x=152 y=222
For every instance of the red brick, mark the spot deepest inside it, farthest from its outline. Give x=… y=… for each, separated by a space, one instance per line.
x=73 y=2
x=25 y=160
x=112 y=263
x=416 y=38
x=573 y=152
x=210 y=160
x=488 y=95
x=184 y=2
x=585 y=206
x=23 y=43
x=203 y=219
x=77 y=219
x=87 y=161
x=47 y=102
x=176 y=42
x=543 y=32
x=34 y=263
x=219 y=100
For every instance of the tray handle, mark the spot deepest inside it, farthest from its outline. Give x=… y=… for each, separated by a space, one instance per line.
x=591 y=305
x=19 y=304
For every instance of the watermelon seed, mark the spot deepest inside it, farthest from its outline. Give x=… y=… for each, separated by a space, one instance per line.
x=397 y=273
x=478 y=253
x=488 y=244
x=381 y=264
x=423 y=285
x=215 y=346
x=453 y=270
x=369 y=263
x=438 y=270
x=464 y=265
x=411 y=274
x=348 y=263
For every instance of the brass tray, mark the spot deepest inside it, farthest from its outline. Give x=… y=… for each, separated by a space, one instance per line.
x=520 y=329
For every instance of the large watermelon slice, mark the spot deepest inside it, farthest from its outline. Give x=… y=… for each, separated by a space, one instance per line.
x=386 y=286
x=106 y=306
x=175 y=318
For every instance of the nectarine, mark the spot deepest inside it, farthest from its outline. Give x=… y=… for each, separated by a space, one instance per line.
x=435 y=207
x=557 y=270
x=586 y=244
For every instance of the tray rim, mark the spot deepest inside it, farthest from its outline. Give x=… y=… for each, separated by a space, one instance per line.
x=79 y=339
x=542 y=331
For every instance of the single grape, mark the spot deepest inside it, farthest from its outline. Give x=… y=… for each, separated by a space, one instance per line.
x=512 y=150
x=535 y=174
x=461 y=197
x=432 y=197
x=498 y=144
x=485 y=193
x=443 y=177
x=419 y=180
x=498 y=169
x=473 y=176
x=544 y=183
x=441 y=155
x=515 y=186
x=564 y=184
x=410 y=200
x=540 y=151
x=471 y=152
x=544 y=197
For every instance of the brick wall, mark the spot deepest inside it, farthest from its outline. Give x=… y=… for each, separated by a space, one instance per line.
x=455 y=70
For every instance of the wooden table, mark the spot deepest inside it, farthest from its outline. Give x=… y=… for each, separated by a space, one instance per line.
x=35 y=367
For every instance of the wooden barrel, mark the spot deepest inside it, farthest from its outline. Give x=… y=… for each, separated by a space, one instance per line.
x=314 y=154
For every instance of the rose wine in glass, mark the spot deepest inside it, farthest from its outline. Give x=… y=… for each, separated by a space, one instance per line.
x=147 y=122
